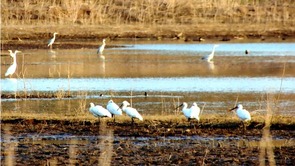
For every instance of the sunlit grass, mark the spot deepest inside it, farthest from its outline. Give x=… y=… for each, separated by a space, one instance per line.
x=133 y=16
x=207 y=119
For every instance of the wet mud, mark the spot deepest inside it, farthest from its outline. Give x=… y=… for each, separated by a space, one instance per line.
x=75 y=41
x=41 y=142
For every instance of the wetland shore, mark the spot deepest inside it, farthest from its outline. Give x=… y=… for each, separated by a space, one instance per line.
x=29 y=138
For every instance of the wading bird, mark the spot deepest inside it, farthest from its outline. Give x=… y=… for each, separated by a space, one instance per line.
x=12 y=67
x=51 y=41
x=101 y=48
x=190 y=113
x=114 y=109
x=99 y=111
x=209 y=57
x=131 y=112
x=243 y=114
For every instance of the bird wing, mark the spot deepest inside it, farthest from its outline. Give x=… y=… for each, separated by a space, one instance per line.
x=10 y=70
x=194 y=112
x=243 y=114
x=114 y=109
x=100 y=49
x=132 y=112
x=208 y=57
x=94 y=111
x=100 y=111
x=186 y=112
x=50 y=42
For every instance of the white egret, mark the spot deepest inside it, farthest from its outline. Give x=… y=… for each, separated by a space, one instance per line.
x=101 y=48
x=51 y=41
x=131 y=112
x=114 y=109
x=12 y=67
x=243 y=114
x=190 y=113
x=210 y=56
x=99 y=111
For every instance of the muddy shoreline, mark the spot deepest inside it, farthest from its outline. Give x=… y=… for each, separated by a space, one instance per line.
x=20 y=38
x=144 y=143
x=151 y=125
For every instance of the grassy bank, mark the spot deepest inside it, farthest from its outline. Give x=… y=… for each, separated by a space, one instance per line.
x=27 y=19
x=211 y=121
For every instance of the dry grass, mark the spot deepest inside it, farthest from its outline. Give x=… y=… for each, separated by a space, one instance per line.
x=147 y=12
x=83 y=115
x=45 y=16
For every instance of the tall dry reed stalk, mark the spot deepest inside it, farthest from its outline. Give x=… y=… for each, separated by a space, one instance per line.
x=9 y=147
x=266 y=152
x=82 y=103
x=105 y=144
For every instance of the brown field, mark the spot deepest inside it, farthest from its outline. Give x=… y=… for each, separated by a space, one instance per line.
x=170 y=141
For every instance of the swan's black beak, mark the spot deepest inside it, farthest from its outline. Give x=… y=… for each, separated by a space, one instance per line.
x=179 y=106
x=232 y=108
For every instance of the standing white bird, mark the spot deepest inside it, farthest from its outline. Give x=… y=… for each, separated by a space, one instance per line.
x=114 y=109
x=99 y=111
x=101 y=48
x=190 y=113
x=195 y=111
x=209 y=57
x=243 y=114
x=131 y=112
x=12 y=67
x=51 y=41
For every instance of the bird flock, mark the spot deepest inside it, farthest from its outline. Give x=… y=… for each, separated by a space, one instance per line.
x=192 y=113
x=112 y=109
x=12 y=68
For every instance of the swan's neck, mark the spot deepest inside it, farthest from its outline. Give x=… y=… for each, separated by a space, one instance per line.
x=213 y=50
x=14 y=58
x=124 y=107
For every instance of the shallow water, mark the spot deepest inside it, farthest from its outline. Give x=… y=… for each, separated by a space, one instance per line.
x=170 y=73
x=158 y=68
x=175 y=84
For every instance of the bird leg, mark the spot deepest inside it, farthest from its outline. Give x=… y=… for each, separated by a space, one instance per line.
x=190 y=122
x=132 y=120
x=244 y=127
x=113 y=116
